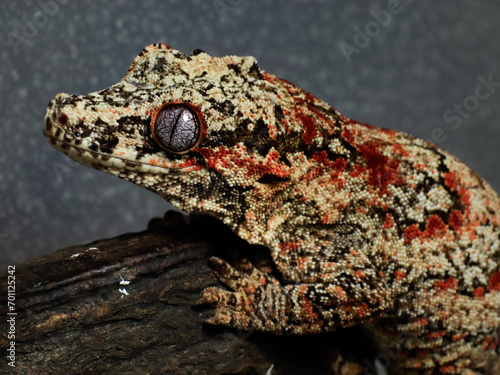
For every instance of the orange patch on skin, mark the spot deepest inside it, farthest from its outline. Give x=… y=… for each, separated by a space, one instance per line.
x=436 y=335
x=310 y=130
x=399 y=275
x=359 y=274
x=411 y=233
x=223 y=159
x=288 y=247
x=494 y=282
x=388 y=221
x=434 y=226
x=458 y=337
x=447 y=369
x=449 y=284
x=450 y=180
x=456 y=219
x=382 y=171
x=479 y=292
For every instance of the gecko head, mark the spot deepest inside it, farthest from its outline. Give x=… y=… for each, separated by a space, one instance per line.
x=203 y=132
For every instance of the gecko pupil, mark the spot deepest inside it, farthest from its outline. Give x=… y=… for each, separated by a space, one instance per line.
x=176 y=128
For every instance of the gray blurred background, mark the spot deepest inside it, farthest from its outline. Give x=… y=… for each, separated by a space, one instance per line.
x=407 y=67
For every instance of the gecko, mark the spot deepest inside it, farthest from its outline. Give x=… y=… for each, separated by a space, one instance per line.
x=365 y=225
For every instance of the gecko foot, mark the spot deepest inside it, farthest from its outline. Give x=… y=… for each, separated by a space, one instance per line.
x=251 y=304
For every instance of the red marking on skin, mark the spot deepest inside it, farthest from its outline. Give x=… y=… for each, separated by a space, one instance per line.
x=288 y=247
x=270 y=77
x=434 y=225
x=399 y=275
x=348 y=135
x=326 y=219
x=449 y=284
x=436 y=335
x=411 y=233
x=308 y=309
x=224 y=159
x=450 y=180
x=458 y=337
x=422 y=321
x=399 y=149
x=494 y=282
x=340 y=164
x=465 y=195
x=272 y=130
x=249 y=216
x=419 y=166
x=447 y=369
x=381 y=170
x=310 y=98
x=456 y=219
x=191 y=162
x=389 y=223
x=191 y=168
x=490 y=343
x=250 y=289
x=479 y=292
x=358 y=170
x=359 y=274
x=310 y=131
x=422 y=353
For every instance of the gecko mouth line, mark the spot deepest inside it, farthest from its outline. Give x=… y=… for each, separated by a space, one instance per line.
x=73 y=151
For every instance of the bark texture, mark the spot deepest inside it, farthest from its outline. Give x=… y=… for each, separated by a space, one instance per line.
x=127 y=305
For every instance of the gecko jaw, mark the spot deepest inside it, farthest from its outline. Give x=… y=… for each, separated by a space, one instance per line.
x=106 y=162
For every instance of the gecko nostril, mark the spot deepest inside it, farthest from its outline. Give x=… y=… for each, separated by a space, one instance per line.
x=62 y=119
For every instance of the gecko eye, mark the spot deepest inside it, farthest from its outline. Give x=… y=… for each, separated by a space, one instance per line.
x=176 y=127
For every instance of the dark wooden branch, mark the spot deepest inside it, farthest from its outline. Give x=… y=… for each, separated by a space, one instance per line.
x=127 y=305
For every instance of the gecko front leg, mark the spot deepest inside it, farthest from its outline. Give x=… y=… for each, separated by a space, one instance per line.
x=260 y=302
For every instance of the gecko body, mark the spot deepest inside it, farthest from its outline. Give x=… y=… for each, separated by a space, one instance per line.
x=365 y=225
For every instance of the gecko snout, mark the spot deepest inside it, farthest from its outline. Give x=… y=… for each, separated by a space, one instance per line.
x=57 y=123
x=56 y=116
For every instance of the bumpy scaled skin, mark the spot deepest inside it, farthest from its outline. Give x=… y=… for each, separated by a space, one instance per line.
x=365 y=225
